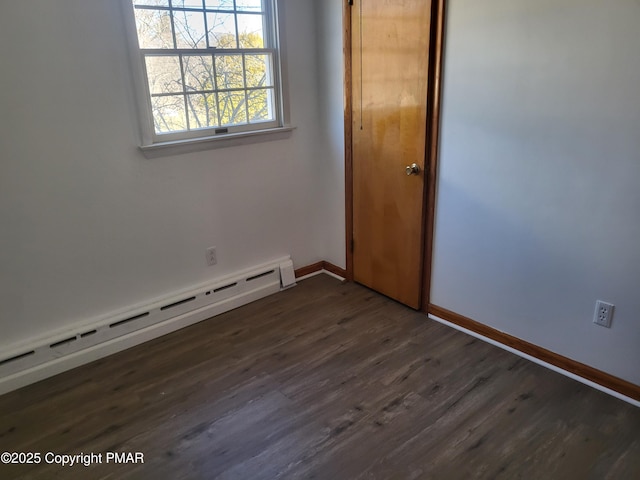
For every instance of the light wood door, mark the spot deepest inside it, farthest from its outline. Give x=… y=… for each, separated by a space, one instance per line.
x=390 y=71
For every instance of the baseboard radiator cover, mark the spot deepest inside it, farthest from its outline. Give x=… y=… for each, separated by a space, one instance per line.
x=30 y=362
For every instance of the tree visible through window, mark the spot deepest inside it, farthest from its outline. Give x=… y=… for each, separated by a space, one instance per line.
x=209 y=64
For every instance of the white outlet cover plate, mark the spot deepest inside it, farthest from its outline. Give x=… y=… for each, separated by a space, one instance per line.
x=603 y=314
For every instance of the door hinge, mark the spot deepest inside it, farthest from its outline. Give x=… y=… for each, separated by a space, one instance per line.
x=352 y=244
x=350 y=2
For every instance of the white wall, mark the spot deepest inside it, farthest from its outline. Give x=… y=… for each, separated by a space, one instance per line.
x=89 y=225
x=331 y=95
x=538 y=211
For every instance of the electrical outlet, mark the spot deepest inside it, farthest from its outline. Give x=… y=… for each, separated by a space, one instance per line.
x=603 y=314
x=212 y=259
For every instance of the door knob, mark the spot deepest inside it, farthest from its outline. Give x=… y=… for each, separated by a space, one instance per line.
x=413 y=169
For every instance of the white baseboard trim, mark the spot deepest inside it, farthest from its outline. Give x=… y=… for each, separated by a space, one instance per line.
x=204 y=302
x=320 y=272
x=331 y=274
x=573 y=376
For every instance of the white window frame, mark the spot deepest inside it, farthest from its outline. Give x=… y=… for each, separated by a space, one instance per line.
x=153 y=143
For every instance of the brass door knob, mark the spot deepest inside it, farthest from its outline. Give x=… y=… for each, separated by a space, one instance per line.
x=413 y=169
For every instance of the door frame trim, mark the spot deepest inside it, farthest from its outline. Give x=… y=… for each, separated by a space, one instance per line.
x=348 y=136
x=436 y=53
x=433 y=144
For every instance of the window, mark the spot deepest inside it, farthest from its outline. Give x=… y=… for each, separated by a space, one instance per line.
x=209 y=67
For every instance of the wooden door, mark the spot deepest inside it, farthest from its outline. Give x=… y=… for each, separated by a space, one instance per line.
x=390 y=72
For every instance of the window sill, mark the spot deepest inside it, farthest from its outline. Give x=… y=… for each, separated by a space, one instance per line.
x=190 y=145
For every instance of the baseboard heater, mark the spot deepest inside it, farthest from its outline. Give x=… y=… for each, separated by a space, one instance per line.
x=39 y=359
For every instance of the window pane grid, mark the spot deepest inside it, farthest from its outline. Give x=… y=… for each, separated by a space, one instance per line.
x=244 y=79
x=198 y=9
x=210 y=92
x=204 y=51
x=221 y=26
x=222 y=50
x=215 y=83
x=235 y=21
x=240 y=89
x=186 y=106
x=206 y=29
x=253 y=71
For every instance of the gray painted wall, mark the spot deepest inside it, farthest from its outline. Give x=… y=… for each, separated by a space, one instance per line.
x=331 y=128
x=538 y=212
x=89 y=225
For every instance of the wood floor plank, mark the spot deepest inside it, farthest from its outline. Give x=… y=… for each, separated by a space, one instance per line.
x=327 y=380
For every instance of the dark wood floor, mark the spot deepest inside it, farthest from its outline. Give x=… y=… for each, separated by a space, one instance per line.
x=324 y=381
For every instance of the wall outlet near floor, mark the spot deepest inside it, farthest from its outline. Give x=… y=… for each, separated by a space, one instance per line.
x=212 y=259
x=603 y=314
